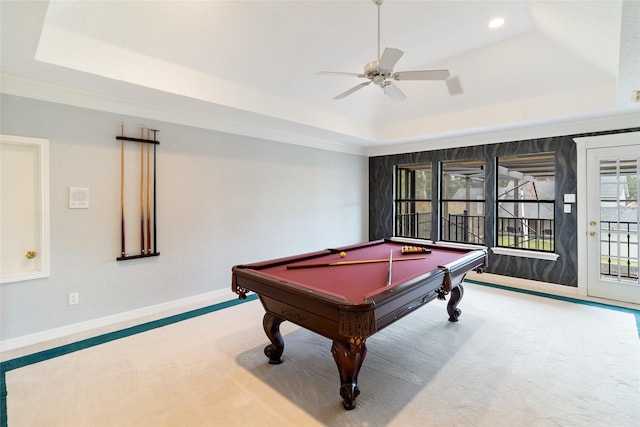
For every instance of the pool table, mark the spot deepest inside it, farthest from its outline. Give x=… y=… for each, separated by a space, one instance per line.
x=349 y=293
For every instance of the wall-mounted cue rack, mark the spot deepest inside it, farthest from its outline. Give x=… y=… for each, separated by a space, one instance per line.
x=143 y=178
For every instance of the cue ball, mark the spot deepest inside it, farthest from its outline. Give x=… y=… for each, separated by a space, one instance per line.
x=342 y=254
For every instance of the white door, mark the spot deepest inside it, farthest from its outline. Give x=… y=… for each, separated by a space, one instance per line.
x=24 y=208
x=613 y=215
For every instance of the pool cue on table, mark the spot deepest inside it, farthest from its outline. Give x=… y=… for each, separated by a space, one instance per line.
x=122 y=245
x=142 y=249
x=390 y=267
x=338 y=263
x=148 y=195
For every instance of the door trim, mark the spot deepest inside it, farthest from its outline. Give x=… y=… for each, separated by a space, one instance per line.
x=42 y=146
x=583 y=144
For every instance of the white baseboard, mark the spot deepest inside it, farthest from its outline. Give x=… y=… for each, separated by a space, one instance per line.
x=105 y=324
x=525 y=284
x=545 y=288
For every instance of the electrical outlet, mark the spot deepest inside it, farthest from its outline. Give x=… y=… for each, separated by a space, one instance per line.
x=74 y=298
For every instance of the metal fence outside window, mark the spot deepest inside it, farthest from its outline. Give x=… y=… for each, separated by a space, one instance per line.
x=526 y=233
x=619 y=249
x=416 y=225
x=464 y=229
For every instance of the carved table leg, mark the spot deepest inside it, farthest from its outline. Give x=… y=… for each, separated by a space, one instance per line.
x=271 y=324
x=454 y=299
x=349 y=358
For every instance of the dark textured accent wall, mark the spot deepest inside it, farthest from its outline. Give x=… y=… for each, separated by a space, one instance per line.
x=563 y=271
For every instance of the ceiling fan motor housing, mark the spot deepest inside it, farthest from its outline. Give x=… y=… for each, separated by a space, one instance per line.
x=376 y=74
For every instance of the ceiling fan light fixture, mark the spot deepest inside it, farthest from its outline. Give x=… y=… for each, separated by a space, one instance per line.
x=496 y=22
x=379 y=80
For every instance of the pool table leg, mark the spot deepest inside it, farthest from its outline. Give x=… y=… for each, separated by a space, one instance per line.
x=271 y=324
x=454 y=299
x=349 y=358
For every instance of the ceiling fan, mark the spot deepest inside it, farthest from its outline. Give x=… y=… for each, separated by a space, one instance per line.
x=381 y=73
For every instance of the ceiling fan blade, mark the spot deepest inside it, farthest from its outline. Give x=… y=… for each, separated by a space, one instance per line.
x=339 y=73
x=389 y=58
x=421 y=75
x=393 y=92
x=454 y=86
x=353 y=89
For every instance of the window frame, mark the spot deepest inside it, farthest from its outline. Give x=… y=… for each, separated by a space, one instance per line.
x=536 y=165
x=490 y=191
x=477 y=221
x=404 y=195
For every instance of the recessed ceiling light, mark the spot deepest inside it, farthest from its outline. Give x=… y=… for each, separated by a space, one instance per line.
x=496 y=22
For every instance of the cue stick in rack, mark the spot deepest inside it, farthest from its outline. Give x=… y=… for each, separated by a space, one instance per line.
x=390 y=267
x=339 y=263
x=122 y=245
x=142 y=248
x=155 y=240
x=148 y=195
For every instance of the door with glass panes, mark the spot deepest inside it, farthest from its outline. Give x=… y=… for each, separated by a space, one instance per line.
x=613 y=223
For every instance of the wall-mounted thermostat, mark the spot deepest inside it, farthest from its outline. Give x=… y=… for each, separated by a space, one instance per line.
x=78 y=198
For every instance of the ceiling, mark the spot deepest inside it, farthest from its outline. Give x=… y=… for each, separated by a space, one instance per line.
x=249 y=67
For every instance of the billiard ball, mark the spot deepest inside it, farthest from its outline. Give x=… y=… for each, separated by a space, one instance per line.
x=342 y=254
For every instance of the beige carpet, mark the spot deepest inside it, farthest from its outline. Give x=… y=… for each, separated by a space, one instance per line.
x=512 y=360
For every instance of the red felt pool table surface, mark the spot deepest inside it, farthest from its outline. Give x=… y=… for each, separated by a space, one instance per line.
x=356 y=282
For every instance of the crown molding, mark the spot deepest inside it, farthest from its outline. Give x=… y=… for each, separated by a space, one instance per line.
x=192 y=112
x=613 y=119
x=219 y=118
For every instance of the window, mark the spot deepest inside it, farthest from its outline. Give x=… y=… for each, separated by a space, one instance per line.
x=619 y=218
x=526 y=202
x=462 y=201
x=413 y=201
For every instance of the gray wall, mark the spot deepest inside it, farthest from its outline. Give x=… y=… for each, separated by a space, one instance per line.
x=563 y=271
x=221 y=200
